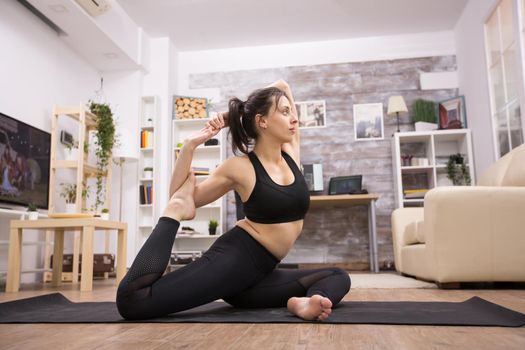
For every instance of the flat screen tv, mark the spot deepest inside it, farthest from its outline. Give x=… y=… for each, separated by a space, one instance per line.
x=24 y=163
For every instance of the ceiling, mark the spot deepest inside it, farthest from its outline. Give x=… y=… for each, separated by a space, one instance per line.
x=214 y=24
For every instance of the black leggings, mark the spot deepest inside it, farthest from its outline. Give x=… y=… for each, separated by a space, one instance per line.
x=235 y=268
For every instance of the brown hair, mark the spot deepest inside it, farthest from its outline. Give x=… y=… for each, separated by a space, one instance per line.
x=241 y=116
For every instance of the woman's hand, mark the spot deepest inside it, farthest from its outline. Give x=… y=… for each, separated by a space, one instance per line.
x=201 y=136
x=280 y=84
x=218 y=121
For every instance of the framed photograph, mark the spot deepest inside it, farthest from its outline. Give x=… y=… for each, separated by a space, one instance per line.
x=368 y=121
x=452 y=113
x=311 y=114
x=187 y=107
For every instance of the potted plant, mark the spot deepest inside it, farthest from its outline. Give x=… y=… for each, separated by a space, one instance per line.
x=425 y=115
x=105 y=140
x=457 y=171
x=32 y=211
x=212 y=227
x=104 y=214
x=69 y=193
x=148 y=172
x=72 y=150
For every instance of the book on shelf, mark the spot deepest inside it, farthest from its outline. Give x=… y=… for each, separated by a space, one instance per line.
x=415 y=194
x=146 y=194
x=146 y=139
x=200 y=170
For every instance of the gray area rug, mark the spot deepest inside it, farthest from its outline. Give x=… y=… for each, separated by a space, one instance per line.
x=387 y=281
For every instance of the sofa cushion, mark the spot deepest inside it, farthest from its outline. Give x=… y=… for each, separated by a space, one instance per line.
x=414 y=233
x=409 y=236
x=515 y=174
x=420 y=232
x=493 y=175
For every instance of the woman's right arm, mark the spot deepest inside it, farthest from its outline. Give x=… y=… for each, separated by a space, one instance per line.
x=185 y=156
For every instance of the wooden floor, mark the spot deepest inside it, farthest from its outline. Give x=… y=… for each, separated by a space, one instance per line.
x=265 y=336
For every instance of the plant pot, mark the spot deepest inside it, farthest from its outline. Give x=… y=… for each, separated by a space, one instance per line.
x=148 y=174
x=33 y=215
x=212 y=231
x=71 y=208
x=104 y=216
x=424 y=126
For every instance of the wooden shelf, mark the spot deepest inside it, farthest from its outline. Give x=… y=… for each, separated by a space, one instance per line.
x=74 y=112
x=73 y=164
x=190 y=121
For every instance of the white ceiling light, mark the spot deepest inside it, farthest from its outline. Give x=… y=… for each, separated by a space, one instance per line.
x=94 y=7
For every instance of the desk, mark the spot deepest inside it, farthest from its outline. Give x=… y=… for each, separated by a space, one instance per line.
x=87 y=226
x=355 y=199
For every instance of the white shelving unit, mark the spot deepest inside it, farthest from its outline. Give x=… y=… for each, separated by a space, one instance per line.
x=435 y=147
x=148 y=157
x=206 y=157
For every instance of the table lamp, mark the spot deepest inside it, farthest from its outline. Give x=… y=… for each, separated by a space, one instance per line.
x=125 y=152
x=396 y=104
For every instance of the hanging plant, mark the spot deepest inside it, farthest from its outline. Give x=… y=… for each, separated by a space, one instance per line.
x=104 y=142
x=457 y=171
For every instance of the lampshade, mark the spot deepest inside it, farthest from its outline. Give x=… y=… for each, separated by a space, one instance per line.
x=396 y=104
x=126 y=149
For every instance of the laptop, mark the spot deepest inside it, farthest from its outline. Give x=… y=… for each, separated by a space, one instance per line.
x=345 y=184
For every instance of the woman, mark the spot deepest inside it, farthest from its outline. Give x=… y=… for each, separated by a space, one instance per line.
x=240 y=267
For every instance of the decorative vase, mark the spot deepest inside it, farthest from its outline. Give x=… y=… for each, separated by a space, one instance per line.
x=212 y=231
x=424 y=126
x=33 y=215
x=71 y=208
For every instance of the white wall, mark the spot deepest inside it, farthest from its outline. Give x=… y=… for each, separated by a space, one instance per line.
x=38 y=71
x=123 y=90
x=323 y=52
x=473 y=80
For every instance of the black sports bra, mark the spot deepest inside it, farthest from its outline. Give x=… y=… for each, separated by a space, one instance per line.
x=271 y=203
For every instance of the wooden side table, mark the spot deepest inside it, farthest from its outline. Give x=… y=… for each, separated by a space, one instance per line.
x=87 y=227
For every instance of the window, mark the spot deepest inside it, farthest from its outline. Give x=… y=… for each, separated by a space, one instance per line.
x=503 y=43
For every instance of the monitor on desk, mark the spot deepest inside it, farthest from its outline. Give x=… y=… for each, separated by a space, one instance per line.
x=345 y=184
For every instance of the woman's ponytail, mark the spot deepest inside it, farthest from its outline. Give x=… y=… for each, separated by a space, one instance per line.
x=240 y=139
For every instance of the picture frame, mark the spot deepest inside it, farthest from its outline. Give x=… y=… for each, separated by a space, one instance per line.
x=452 y=113
x=189 y=107
x=368 y=121
x=311 y=114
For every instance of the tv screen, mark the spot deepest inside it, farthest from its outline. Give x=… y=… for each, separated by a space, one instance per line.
x=24 y=163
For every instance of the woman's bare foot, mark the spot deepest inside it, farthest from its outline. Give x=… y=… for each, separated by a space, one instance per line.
x=181 y=205
x=316 y=307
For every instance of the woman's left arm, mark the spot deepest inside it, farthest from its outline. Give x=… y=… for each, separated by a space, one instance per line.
x=293 y=147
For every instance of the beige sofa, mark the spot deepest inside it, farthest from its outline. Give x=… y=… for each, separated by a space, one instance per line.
x=467 y=233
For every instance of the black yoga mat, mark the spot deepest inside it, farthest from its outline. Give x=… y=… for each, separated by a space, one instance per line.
x=55 y=308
